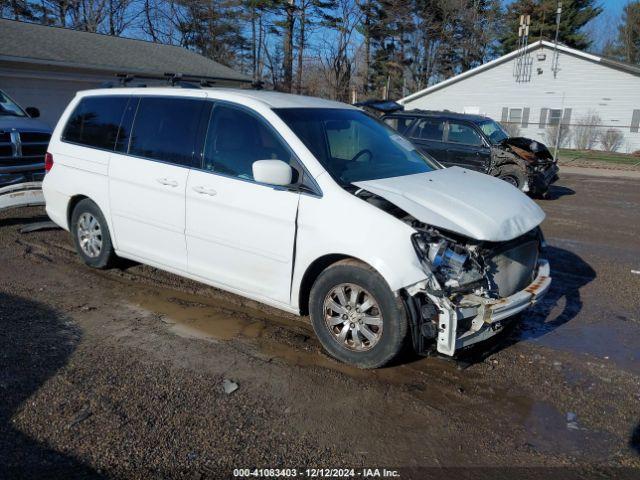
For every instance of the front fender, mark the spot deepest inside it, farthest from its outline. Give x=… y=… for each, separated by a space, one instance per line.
x=350 y=227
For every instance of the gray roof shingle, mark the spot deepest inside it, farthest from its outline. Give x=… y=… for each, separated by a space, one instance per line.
x=36 y=43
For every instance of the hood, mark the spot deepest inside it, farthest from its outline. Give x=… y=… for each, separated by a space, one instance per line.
x=22 y=124
x=528 y=149
x=462 y=201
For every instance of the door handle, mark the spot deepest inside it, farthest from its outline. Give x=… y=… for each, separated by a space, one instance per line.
x=205 y=191
x=166 y=181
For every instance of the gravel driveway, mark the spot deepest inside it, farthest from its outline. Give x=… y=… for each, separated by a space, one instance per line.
x=121 y=374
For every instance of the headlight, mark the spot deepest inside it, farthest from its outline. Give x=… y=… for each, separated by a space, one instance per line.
x=442 y=256
x=439 y=253
x=449 y=262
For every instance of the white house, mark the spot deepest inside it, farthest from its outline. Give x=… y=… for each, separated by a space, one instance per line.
x=43 y=67
x=544 y=85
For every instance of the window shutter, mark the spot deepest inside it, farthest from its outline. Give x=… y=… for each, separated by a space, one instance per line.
x=543 y=117
x=635 y=121
x=505 y=114
x=566 y=117
x=525 y=118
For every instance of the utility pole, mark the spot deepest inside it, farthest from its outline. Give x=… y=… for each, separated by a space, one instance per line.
x=555 y=150
x=554 y=66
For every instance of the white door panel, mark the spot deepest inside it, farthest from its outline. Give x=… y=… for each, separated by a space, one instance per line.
x=241 y=234
x=148 y=209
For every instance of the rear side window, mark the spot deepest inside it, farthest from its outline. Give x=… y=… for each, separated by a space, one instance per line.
x=165 y=129
x=429 y=129
x=401 y=124
x=95 y=122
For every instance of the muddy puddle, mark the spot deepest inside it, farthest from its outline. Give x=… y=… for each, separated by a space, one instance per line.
x=555 y=323
x=193 y=316
x=439 y=382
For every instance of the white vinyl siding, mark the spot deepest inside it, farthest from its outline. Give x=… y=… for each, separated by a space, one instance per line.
x=581 y=86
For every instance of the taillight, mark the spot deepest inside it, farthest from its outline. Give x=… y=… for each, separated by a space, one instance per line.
x=48 y=162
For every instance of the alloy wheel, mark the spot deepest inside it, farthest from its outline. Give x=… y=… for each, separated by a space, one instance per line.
x=89 y=235
x=353 y=317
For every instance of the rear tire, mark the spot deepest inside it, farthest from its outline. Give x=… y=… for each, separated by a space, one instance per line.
x=513 y=174
x=91 y=236
x=356 y=316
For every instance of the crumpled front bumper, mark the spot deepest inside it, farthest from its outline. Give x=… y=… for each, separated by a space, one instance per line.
x=540 y=181
x=488 y=316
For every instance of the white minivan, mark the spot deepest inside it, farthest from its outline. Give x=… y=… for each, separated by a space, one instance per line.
x=307 y=205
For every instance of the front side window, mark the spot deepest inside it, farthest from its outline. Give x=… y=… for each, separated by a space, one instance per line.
x=237 y=138
x=429 y=129
x=463 y=134
x=493 y=130
x=165 y=129
x=354 y=147
x=10 y=108
x=95 y=122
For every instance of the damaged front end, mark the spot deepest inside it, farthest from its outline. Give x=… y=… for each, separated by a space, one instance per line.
x=472 y=287
x=480 y=268
x=534 y=157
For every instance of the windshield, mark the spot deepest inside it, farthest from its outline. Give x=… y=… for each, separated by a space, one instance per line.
x=354 y=147
x=9 y=107
x=493 y=130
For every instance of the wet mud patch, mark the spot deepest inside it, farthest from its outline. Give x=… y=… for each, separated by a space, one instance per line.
x=436 y=383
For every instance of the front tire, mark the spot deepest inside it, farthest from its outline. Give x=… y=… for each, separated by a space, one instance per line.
x=355 y=315
x=513 y=174
x=91 y=235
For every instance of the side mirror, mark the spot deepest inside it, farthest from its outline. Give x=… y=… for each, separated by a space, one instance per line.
x=33 y=112
x=272 y=172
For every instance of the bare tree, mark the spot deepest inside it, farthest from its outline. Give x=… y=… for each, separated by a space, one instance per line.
x=89 y=15
x=160 y=20
x=513 y=129
x=337 y=51
x=560 y=133
x=587 y=131
x=629 y=32
x=611 y=139
x=287 y=45
x=120 y=16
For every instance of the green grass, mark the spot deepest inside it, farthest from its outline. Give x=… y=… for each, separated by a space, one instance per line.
x=568 y=156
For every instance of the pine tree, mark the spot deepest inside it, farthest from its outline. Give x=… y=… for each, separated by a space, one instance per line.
x=575 y=15
x=629 y=33
x=391 y=25
x=212 y=28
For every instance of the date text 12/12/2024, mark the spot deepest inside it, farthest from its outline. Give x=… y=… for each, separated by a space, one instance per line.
x=316 y=473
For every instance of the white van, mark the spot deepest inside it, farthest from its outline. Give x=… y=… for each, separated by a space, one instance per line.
x=307 y=205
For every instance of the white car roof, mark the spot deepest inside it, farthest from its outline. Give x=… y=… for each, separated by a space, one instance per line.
x=268 y=98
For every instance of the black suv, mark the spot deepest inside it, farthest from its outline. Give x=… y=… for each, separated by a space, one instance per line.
x=23 y=143
x=478 y=143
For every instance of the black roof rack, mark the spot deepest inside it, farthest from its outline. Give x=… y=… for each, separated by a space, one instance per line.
x=173 y=79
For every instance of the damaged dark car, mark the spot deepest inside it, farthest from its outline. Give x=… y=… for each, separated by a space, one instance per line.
x=479 y=143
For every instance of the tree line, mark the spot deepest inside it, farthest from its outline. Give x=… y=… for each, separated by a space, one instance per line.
x=341 y=49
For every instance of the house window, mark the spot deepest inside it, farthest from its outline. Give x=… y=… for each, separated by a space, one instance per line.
x=515 y=115
x=555 y=115
x=635 y=121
